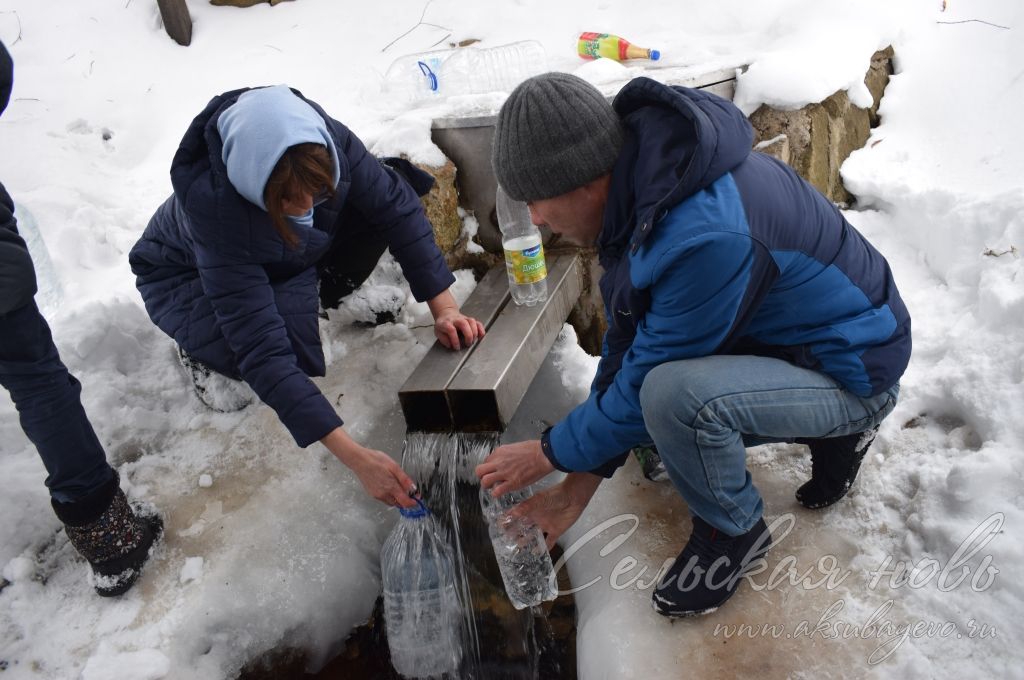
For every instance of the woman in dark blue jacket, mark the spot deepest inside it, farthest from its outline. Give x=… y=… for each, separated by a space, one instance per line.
x=277 y=208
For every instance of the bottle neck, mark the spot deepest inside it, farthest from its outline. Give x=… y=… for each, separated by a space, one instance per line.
x=634 y=52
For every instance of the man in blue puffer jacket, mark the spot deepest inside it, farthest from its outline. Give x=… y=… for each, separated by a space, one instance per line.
x=742 y=309
x=277 y=207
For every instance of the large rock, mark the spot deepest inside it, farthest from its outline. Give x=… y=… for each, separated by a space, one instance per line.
x=442 y=205
x=819 y=137
x=877 y=80
x=587 y=315
x=442 y=208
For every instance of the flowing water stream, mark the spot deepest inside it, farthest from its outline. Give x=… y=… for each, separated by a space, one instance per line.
x=499 y=642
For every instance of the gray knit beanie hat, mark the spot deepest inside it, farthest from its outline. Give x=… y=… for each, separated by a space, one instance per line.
x=555 y=133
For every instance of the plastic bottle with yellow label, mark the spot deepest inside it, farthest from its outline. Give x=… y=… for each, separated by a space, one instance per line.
x=608 y=46
x=524 y=251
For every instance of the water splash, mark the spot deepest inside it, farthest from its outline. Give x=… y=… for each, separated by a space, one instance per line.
x=499 y=642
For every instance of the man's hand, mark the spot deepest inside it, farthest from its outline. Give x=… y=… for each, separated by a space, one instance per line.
x=556 y=509
x=513 y=467
x=450 y=323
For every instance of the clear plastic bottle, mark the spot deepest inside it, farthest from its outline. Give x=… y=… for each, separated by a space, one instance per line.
x=524 y=251
x=520 y=550
x=421 y=608
x=466 y=70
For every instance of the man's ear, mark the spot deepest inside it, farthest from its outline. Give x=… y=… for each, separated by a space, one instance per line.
x=598 y=188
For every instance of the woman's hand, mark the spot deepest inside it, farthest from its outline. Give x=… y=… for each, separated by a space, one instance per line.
x=513 y=467
x=379 y=474
x=450 y=324
x=556 y=509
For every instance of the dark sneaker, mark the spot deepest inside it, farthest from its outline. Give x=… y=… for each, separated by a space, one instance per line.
x=650 y=463
x=834 y=465
x=219 y=392
x=116 y=543
x=708 y=570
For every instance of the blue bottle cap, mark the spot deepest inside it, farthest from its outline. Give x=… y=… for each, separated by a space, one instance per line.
x=419 y=511
x=655 y=55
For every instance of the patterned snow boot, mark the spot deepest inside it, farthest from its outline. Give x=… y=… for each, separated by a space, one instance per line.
x=110 y=535
x=834 y=465
x=219 y=392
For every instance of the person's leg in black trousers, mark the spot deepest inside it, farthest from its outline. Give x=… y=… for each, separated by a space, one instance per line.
x=84 y=489
x=358 y=248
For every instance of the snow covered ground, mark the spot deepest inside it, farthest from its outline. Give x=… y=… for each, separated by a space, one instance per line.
x=277 y=546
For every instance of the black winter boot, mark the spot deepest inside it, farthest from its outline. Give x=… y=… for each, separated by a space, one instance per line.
x=708 y=570
x=834 y=465
x=219 y=392
x=110 y=535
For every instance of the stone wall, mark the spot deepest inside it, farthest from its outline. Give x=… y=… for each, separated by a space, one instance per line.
x=814 y=140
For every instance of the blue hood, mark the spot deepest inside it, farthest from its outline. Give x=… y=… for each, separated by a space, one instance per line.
x=678 y=142
x=257 y=130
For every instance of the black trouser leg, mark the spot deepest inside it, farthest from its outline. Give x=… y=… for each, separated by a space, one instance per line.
x=348 y=263
x=49 y=405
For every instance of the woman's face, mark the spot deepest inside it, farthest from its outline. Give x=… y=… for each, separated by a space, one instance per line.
x=297 y=206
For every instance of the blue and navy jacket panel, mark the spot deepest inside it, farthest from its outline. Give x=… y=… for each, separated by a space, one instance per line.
x=711 y=248
x=215 y=275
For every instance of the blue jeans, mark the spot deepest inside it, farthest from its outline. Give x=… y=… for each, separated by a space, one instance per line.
x=48 y=401
x=703 y=413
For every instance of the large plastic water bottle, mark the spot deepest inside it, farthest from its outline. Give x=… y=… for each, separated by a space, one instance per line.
x=421 y=608
x=520 y=550
x=524 y=251
x=466 y=70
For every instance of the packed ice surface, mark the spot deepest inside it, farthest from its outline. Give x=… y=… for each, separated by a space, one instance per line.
x=288 y=541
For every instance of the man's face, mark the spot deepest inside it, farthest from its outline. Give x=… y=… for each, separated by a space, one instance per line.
x=577 y=216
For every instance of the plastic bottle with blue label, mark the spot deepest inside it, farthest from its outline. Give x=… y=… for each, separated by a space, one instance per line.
x=421 y=607
x=434 y=76
x=524 y=251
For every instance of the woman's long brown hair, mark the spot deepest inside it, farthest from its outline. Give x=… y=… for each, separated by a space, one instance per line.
x=302 y=168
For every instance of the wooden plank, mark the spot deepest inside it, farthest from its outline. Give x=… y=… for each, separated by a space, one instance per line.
x=177 y=21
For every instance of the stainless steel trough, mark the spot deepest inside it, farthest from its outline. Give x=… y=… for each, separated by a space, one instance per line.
x=478 y=389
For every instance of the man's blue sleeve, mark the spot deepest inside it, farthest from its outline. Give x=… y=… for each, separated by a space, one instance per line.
x=697 y=288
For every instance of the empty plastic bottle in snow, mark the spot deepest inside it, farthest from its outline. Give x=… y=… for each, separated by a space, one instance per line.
x=466 y=70
x=598 y=45
x=520 y=550
x=524 y=251
x=421 y=608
